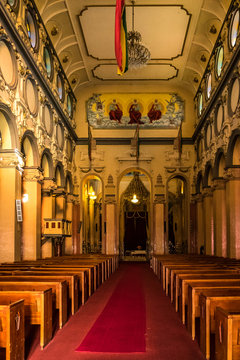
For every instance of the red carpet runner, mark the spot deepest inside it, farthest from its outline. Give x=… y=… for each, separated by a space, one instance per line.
x=121 y=327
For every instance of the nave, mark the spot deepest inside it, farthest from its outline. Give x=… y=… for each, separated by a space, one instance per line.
x=166 y=337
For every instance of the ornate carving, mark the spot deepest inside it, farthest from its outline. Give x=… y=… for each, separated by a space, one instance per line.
x=32 y=174
x=11 y=158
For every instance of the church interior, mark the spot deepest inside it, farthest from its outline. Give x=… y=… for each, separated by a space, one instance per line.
x=120 y=184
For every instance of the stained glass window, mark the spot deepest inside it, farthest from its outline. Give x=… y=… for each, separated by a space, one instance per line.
x=48 y=61
x=69 y=105
x=209 y=85
x=219 y=60
x=31 y=28
x=234 y=28
x=60 y=87
x=200 y=104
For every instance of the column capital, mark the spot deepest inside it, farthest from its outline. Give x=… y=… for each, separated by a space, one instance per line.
x=219 y=184
x=32 y=173
x=11 y=158
x=207 y=192
x=232 y=173
x=159 y=199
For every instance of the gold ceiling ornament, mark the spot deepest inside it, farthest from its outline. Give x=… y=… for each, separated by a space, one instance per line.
x=138 y=54
x=136 y=190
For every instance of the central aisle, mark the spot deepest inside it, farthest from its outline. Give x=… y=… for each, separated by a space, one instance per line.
x=166 y=337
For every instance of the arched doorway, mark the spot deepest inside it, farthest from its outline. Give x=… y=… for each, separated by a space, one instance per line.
x=134 y=191
x=177 y=234
x=92 y=215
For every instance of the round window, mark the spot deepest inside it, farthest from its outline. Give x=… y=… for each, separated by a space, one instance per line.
x=47 y=58
x=234 y=28
x=219 y=118
x=7 y=63
x=209 y=85
x=31 y=28
x=234 y=97
x=219 y=60
x=60 y=136
x=31 y=96
x=208 y=135
x=60 y=87
x=47 y=118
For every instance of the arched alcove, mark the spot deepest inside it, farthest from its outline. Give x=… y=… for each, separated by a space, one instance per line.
x=177 y=215
x=92 y=214
x=30 y=150
x=134 y=215
x=8 y=129
x=59 y=175
x=47 y=164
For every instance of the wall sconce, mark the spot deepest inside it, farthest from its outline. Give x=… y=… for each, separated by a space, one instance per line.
x=91 y=194
x=134 y=200
x=25 y=198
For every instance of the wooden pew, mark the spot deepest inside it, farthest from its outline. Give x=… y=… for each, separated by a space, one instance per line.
x=37 y=309
x=227 y=324
x=12 y=328
x=209 y=301
x=181 y=286
x=85 y=275
x=72 y=281
x=191 y=274
x=59 y=290
x=194 y=291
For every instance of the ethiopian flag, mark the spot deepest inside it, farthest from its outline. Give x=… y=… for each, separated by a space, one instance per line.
x=121 y=37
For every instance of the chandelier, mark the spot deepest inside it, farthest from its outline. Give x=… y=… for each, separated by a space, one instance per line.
x=138 y=54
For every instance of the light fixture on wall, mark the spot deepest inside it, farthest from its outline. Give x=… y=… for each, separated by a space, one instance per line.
x=134 y=200
x=138 y=54
x=92 y=194
x=25 y=198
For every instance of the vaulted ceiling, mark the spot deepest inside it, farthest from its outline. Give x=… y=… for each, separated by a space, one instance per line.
x=179 y=34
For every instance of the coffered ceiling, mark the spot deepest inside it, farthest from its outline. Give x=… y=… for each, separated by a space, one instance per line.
x=179 y=34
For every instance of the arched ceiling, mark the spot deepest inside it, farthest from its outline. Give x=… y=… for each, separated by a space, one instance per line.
x=179 y=34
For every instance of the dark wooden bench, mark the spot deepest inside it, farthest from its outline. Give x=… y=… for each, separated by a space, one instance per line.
x=209 y=301
x=12 y=328
x=194 y=291
x=227 y=325
x=59 y=292
x=37 y=309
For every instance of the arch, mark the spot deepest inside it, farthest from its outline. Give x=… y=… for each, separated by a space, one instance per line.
x=207 y=174
x=59 y=175
x=30 y=149
x=231 y=146
x=218 y=164
x=131 y=169
x=69 y=183
x=199 y=183
x=7 y=120
x=48 y=156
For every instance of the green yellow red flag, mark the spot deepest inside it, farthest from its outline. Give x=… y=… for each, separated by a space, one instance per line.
x=121 y=37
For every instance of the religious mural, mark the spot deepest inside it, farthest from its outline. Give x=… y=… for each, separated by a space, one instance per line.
x=114 y=111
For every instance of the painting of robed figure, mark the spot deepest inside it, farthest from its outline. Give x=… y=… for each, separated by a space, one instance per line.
x=125 y=110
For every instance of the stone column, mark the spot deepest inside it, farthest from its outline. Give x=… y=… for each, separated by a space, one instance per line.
x=193 y=226
x=69 y=217
x=208 y=220
x=31 y=231
x=48 y=212
x=219 y=216
x=158 y=223
x=200 y=223
x=11 y=167
x=76 y=226
x=111 y=237
x=60 y=213
x=233 y=212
